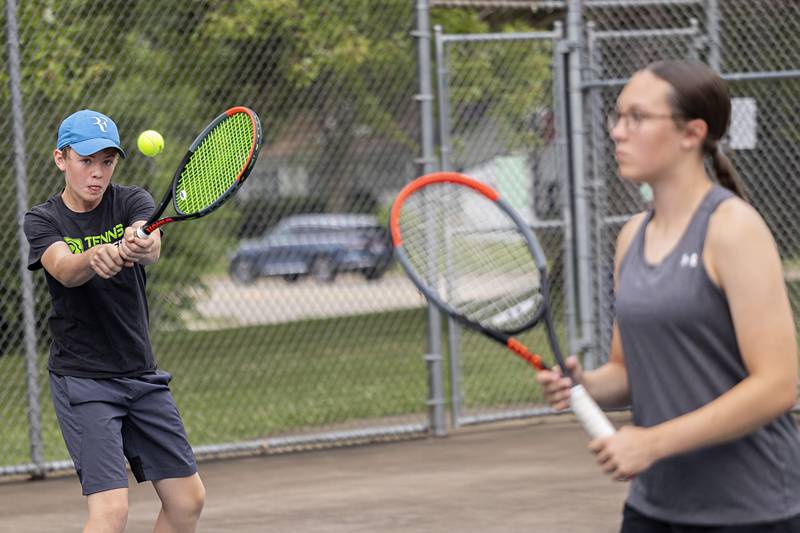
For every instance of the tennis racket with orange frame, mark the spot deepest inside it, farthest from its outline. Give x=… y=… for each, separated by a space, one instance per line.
x=474 y=257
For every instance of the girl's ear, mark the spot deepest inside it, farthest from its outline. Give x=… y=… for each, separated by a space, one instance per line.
x=694 y=133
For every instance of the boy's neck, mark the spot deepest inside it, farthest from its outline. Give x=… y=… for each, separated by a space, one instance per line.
x=76 y=204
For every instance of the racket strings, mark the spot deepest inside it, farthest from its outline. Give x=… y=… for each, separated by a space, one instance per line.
x=514 y=297
x=215 y=166
x=472 y=255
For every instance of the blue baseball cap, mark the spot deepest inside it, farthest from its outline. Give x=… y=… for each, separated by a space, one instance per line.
x=88 y=132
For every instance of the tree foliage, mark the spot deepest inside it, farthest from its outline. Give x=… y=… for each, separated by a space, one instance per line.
x=347 y=67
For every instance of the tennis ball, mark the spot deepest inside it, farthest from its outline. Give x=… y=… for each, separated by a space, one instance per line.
x=150 y=143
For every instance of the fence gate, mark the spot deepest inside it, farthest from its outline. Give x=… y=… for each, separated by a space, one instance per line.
x=501 y=122
x=738 y=39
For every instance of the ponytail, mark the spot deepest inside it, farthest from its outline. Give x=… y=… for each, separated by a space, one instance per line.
x=726 y=174
x=698 y=92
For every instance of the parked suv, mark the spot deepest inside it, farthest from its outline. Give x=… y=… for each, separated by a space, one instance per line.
x=321 y=245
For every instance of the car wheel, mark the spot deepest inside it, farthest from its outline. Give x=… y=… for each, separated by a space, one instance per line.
x=243 y=271
x=380 y=268
x=323 y=269
x=374 y=273
x=291 y=278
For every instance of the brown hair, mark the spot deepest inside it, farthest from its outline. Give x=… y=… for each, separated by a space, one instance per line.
x=699 y=93
x=67 y=149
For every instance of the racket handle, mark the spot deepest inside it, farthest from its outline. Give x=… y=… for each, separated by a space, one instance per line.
x=594 y=421
x=141 y=234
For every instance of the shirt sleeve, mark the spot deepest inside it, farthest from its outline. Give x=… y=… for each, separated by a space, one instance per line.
x=41 y=232
x=140 y=205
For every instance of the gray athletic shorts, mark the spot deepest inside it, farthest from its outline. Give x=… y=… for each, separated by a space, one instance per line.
x=104 y=421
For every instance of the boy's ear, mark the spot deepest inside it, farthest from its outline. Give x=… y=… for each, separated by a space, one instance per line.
x=60 y=158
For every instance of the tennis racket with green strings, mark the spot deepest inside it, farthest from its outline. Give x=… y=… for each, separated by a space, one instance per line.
x=474 y=257
x=216 y=165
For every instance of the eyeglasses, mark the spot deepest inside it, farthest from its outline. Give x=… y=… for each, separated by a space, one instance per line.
x=633 y=119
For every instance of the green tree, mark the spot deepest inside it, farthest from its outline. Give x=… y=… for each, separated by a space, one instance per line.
x=343 y=70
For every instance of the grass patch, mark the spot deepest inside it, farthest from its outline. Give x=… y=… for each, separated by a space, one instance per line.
x=248 y=382
x=251 y=382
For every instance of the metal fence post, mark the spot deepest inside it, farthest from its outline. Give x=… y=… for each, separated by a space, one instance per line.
x=427 y=162
x=28 y=318
x=712 y=30
x=560 y=56
x=597 y=131
x=453 y=329
x=580 y=187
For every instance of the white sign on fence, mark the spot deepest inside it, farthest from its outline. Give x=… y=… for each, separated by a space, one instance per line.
x=743 y=132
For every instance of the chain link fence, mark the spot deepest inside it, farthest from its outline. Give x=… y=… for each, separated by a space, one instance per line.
x=754 y=46
x=283 y=317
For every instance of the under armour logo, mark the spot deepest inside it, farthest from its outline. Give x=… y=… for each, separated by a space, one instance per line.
x=101 y=123
x=689 y=260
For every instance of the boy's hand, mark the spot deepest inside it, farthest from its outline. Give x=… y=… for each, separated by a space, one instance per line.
x=107 y=260
x=134 y=249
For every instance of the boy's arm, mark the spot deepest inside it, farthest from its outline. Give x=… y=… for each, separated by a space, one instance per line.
x=73 y=270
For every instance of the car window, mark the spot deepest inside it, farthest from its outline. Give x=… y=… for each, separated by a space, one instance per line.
x=334 y=227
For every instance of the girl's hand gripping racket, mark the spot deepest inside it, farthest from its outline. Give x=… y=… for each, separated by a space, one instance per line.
x=217 y=163
x=474 y=257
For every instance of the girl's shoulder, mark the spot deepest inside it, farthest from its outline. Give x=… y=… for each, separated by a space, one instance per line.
x=625 y=238
x=734 y=222
x=628 y=232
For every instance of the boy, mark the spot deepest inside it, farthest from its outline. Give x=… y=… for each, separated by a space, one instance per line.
x=111 y=400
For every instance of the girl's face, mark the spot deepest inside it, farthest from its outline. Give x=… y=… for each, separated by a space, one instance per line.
x=645 y=129
x=87 y=177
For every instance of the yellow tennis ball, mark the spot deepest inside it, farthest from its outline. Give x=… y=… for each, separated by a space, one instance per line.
x=150 y=143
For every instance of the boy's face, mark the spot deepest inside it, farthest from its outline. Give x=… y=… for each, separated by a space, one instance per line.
x=87 y=177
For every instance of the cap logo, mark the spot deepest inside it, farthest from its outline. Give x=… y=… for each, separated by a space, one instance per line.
x=101 y=123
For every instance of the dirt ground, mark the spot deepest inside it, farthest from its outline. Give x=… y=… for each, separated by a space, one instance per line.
x=532 y=476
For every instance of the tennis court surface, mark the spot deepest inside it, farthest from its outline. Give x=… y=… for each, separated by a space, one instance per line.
x=533 y=476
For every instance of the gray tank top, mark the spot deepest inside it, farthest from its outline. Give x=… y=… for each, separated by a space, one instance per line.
x=681 y=353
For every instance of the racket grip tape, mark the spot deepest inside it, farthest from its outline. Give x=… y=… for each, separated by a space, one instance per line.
x=141 y=234
x=594 y=421
x=520 y=350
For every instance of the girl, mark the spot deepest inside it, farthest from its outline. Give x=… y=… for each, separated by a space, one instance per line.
x=703 y=345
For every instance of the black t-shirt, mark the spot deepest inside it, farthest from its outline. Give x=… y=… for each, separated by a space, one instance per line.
x=101 y=328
